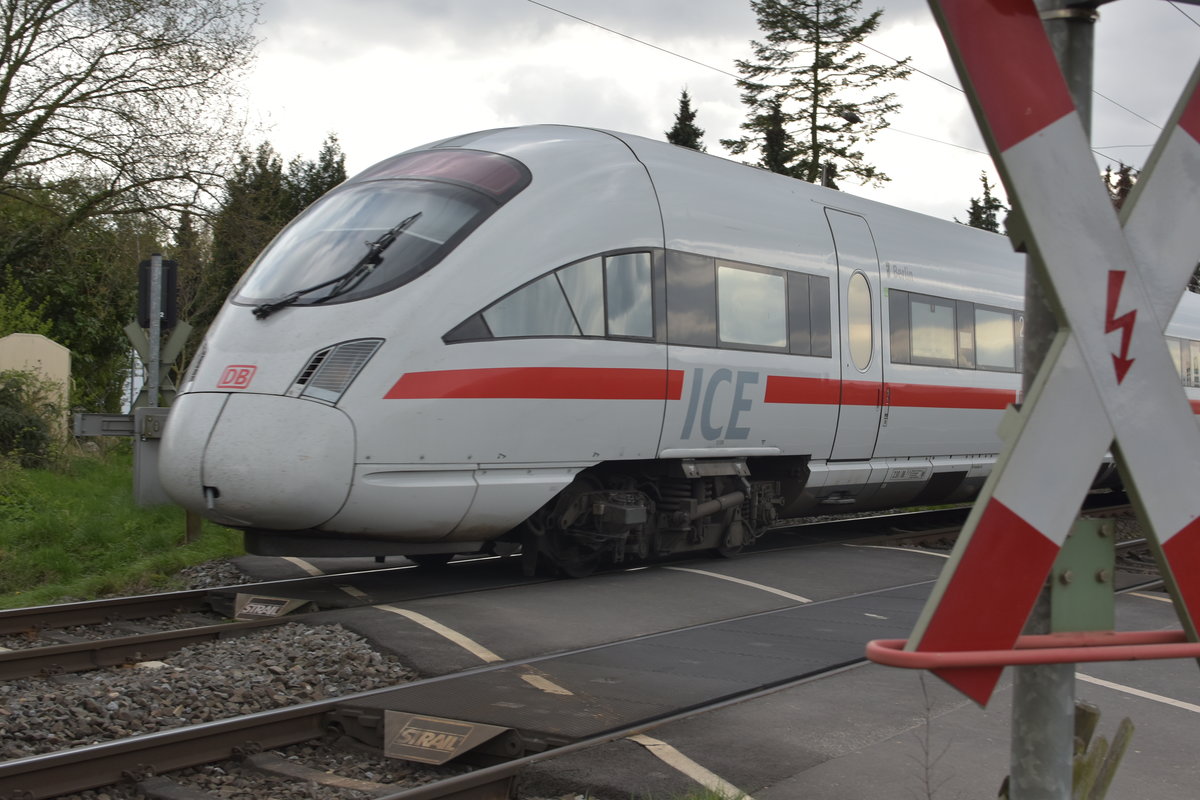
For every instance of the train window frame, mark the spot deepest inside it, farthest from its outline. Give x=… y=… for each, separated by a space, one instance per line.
x=966 y=332
x=916 y=300
x=476 y=328
x=858 y=286
x=691 y=299
x=1016 y=337
x=784 y=317
x=539 y=294
x=899 y=326
x=1175 y=346
x=610 y=273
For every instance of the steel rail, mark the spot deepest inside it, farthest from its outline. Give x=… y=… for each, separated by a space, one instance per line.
x=115 y=651
x=15 y=621
x=95 y=612
x=90 y=766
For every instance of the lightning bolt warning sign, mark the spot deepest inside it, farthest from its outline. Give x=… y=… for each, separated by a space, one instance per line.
x=1124 y=323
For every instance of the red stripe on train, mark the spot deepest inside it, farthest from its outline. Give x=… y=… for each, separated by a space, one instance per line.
x=541 y=383
x=822 y=391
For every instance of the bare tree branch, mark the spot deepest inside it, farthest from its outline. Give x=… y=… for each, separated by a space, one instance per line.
x=133 y=101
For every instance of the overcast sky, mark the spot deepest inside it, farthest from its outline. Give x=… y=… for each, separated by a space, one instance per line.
x=388 y=75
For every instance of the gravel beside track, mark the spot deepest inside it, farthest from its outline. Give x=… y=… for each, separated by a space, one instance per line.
x=281 y=666
x=211 y=574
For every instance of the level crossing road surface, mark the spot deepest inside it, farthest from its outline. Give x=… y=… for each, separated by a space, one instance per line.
x=867 y=732
x=878 y=733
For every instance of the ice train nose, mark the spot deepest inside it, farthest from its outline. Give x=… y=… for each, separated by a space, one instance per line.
x=252 y=460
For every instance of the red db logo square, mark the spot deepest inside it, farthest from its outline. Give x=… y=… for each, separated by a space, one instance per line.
x=236 y=376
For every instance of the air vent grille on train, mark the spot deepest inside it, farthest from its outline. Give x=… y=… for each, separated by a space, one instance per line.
x=330 y=372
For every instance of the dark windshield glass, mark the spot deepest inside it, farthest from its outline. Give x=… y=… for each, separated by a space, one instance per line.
x=449 y=192
x=335 y=234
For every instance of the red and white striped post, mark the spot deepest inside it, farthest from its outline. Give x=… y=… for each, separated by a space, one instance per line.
x=1108 y=376
x=1094 y=386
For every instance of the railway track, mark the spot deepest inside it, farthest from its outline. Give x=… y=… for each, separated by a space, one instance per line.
x=246 y=743
x=197 y=622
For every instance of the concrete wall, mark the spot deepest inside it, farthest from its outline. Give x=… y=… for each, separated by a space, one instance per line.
x=32 y=352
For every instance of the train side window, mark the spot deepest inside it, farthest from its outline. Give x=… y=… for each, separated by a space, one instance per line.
x=934 y=331
x=995 y=340
x=1195 y=353
x=1174 y=346
x=1019 y=336
x=751 y=307
x=630 y=295
x=860 y=324
x=966 y=334
x=691 y=299
x=539 y=309
x=899 y=325
x=818 y=299
x=583 y=284
x=799 y=313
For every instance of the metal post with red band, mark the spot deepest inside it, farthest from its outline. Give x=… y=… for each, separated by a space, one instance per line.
x=1108 y=375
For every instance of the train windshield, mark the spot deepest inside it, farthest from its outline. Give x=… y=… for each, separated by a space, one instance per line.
x=417 y=206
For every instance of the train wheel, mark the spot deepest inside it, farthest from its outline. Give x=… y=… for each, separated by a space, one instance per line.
x=431 y=560
x=578 y=561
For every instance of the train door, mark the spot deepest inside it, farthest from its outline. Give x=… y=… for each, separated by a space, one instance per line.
x=859 y=321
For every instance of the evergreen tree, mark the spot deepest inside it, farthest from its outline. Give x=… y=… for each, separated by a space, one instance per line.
x=983 y=213
x=685 y=133
x=824 y=90
x=779 y=150
x=255 y=207
x=1120 y=183
x=18 y=313
x=260 y=198
x=307 y=181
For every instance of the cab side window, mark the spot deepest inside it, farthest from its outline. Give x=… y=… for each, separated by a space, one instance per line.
x=603 y=296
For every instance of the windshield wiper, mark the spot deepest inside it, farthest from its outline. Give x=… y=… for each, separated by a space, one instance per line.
x=347 y=280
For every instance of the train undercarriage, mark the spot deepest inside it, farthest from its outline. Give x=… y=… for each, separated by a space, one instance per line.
x=614 y=514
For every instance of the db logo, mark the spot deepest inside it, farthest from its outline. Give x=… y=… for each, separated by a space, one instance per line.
x=236 y=376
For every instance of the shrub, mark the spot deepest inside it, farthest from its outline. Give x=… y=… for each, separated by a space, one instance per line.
x=30 y=419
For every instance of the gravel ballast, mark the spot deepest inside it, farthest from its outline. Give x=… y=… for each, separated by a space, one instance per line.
x=278 y=667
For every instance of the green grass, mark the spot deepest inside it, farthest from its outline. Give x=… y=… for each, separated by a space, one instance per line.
x=74 y=533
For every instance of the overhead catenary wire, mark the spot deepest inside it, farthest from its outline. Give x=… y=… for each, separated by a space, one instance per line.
x=930 y=76
x=738 y=77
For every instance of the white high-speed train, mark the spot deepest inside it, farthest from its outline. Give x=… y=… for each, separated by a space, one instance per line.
x=596 y=347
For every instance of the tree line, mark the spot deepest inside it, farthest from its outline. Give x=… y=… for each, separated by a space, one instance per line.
x=121 y=135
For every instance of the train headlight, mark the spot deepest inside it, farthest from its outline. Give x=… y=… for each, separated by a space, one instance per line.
x=330 y=372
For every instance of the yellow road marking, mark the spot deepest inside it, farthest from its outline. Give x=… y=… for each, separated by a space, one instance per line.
x=901 y=549
x=470 y=645
x=669 y=755
x=1158 y=698
x=545 y=684
x=304 y=565
x=751 y=584
x=1159 y=598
